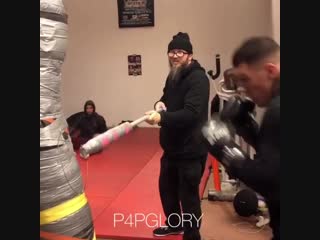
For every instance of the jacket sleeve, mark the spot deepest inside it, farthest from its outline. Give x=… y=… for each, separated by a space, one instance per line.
x=195 y=101
x=163 y=98
x=102 y=126
x=249 y=132
x=74 y=119
x=264 y=169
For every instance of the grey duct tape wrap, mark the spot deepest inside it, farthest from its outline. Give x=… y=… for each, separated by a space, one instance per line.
x=50 y=84
x=52 y=135
x=60 y=176
x=50 y=100
x=50 y=66
x=53 y=6
x=49 y=105
x=53 y=39
x=53 y=43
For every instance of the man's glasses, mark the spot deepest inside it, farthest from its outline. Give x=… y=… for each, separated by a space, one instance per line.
x=178 y=53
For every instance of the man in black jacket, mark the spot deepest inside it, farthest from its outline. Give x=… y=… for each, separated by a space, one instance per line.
x=185 y=103
x=257 y=71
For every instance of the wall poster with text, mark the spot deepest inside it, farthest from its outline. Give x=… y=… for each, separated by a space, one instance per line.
x=134 y=65
x=135 y=13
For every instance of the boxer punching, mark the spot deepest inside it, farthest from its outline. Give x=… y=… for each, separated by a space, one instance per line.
x=257 y=71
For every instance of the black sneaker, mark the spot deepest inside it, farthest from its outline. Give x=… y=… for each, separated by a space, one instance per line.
x=164 y=231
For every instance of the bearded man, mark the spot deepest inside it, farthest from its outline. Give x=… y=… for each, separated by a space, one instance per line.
x=184 y=106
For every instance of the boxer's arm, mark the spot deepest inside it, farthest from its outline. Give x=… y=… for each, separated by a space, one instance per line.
x=265 y=168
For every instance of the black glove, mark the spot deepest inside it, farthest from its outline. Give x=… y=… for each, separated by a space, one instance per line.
x=237 y=109
x=218 y=136
x=233 y=157
x=240 y=113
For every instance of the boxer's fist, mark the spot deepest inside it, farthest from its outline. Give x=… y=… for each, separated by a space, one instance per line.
x=218 y=136
x=232 y=156
x=240 y=113
x=237 y=110
x=216 y=132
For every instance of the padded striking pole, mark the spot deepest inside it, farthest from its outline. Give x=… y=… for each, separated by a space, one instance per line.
x=101 y=141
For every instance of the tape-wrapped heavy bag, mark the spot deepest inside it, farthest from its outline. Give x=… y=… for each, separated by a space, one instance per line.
x=64 y=208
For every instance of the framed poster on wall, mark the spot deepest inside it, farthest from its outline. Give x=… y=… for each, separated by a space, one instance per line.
x=134 y=65
x=135 y=13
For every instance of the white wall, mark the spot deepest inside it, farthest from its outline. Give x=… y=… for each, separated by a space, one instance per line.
x=276 y=20
x=96 y=64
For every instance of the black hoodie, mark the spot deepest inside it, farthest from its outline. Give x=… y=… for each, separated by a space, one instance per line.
x=187 y=111
x=88 y=124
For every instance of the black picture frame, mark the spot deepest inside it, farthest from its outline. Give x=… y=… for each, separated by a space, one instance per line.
x=135 y=13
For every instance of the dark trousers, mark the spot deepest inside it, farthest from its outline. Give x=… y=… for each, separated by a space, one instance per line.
x=179 y=192
x=274 y=211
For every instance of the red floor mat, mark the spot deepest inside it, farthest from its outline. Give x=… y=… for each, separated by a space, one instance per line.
x=137 y=210
x=106 y=174
x=140 y=199
x=123 y=180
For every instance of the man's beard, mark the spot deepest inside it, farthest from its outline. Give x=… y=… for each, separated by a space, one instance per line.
x=175 y=71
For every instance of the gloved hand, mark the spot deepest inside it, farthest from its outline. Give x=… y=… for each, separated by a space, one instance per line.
x=240 y=113
x=233 y=157
x=160 y=106
x=237 y=110
x=154 y=117
x=218 y=136
x=217 y=132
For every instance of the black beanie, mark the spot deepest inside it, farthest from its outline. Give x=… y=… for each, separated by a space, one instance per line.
x=181 y=41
